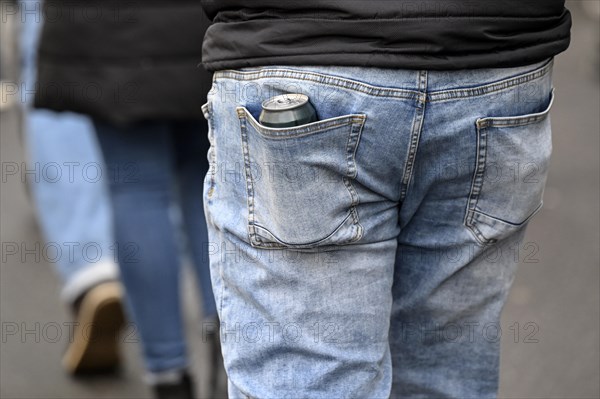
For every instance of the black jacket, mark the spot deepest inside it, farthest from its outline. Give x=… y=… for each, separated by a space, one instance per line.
x=413 y=34
x=123 y=61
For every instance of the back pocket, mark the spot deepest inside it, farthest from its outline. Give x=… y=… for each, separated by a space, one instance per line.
x=299 y=182
x=511 y=170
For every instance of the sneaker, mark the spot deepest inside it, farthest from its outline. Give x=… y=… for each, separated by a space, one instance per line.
x=99 y=318
x=184 y=389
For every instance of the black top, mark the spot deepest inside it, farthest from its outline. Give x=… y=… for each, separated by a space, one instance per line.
x=123 y=61
x=411 y=34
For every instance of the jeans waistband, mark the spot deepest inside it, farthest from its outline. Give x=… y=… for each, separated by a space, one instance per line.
x=402 y=83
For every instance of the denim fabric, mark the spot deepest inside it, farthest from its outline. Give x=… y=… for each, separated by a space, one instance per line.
x=154 y=168
x=369 y=253
x=67 y=186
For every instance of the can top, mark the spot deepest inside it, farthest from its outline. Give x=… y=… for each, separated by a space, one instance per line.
x=285 y=102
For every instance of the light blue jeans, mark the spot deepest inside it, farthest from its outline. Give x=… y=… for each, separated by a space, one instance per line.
x=369 y=254
x=66 y=175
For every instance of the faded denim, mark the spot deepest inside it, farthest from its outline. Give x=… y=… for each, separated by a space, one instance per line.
x=366 y=255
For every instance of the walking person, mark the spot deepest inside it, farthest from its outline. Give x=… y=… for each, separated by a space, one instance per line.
x=74 y=213
x=136 y=73
x=369 y=253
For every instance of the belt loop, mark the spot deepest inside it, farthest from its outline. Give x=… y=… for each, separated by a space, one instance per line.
x=422 y=88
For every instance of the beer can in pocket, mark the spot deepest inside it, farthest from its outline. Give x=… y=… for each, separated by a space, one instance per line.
x=287 y=110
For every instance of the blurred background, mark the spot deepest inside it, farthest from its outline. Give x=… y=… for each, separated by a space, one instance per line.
x=551 y=323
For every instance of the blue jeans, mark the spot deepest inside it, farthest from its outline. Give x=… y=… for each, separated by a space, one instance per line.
x=369 y=253
x=67 y=186
x=155 y=169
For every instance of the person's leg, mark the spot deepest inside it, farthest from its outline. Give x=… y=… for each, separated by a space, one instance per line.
x=303 y=223
x=192 y=147
x=64 y=170
x=71 y=198
x=479 y=173
x=74 y=213
x=191 y=143
x=67 y=186
x=140 y=173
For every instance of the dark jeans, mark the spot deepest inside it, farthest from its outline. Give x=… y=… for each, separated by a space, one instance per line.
x=154 y=166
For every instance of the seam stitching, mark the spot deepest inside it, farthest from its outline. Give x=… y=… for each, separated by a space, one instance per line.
x=415 y=135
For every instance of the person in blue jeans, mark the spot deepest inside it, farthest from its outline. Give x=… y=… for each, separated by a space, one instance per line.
x=373 y=249
x=74 y=213
x=368 y=254
x=156 y=168
x=133 y=68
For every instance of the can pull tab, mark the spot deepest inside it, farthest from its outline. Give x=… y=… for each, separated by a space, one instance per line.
x=285 y=101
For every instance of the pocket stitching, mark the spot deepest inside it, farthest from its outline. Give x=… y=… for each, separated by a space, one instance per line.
x=299 y=131
x=536 y=210
x=476 y=184
x=207 y=110
x=482 y=125
x=516 y=121
x=283 y=244
x=483 y=239
x=356 y=122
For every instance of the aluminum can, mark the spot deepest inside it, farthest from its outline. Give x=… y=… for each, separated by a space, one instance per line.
x=287 y=110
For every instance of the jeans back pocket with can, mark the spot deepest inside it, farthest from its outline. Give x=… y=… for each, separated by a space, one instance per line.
x=299 y=182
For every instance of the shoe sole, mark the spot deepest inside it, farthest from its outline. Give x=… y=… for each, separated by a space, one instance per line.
x=95 y=345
